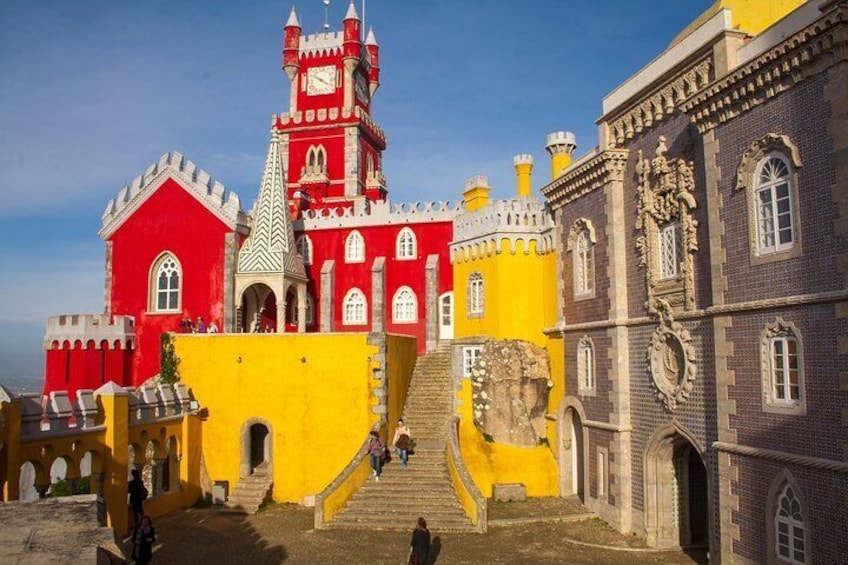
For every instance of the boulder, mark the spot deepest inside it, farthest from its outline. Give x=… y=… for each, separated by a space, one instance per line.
x=510 y=384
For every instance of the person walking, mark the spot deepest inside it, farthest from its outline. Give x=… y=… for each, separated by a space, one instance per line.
x=376 y=449
x=419 y=548
x=137 y=493
x=143 y=540
x=402 y=442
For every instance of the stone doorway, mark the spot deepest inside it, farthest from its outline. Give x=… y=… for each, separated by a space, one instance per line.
x=256 y=452
x=676 y=491
x=572 y=452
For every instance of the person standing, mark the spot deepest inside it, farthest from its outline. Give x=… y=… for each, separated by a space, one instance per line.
x=420 y=545
x=143 y=540
x=138 y=493
x=402 y=441
x=201 y=325
x=376 y=449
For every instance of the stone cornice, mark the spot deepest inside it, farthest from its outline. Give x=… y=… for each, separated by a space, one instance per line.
x=818 y=46
x=584 y=177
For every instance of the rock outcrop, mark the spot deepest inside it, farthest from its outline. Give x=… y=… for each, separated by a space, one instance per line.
x=510 y=382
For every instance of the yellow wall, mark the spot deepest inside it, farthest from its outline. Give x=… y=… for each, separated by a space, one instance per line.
x=401 y=354
x=492 y=463
x=314 y=390
x=513 y=304
x=752 y=16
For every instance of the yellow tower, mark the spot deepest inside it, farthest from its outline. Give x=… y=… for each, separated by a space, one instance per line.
x=561 y=146
x=523 y=174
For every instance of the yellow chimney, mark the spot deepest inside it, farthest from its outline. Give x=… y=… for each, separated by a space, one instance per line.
x=561 y=146
x=476 y=193
x=523 y=171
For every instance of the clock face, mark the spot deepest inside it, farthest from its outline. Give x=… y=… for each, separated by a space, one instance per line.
x=321 y=80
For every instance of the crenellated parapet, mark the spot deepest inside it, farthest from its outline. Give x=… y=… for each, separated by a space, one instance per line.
x=379 y=212
x=322 y=44
x=484 y=231
x=330 y=116
x=116 y=332
x=213 y=194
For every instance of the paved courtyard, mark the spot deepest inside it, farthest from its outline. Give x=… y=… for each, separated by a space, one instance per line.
x=284 y=534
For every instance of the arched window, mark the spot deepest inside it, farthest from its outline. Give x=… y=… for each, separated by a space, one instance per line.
x=405 y=306
x=165 y=287
x=304 y=249
x=475 y=295
x=775 y=208
x=585 y=365
x=669 y=246
x=406 y=244
x=310 y=311
x=354 y=248
x=354 y=309
x=584 y=265
x=783 y=368
x=316 y=159
x=789 y=532
x=369 y=165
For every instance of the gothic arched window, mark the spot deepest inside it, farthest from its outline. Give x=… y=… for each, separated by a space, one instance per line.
x=354 y=308
x=585 y=365
x=354 y=248
x=406 y=244
x=165 y=287
x=304 y=249
x=584 y=265
x=775 y=207
x=475 y=294
x=405 y=306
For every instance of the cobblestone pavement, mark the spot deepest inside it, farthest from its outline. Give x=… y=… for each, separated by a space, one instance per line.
x=284 y=534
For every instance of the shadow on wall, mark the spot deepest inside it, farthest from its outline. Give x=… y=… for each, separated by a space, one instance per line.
x=202 y=543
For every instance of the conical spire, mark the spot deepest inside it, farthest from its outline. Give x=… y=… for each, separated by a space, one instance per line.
x=370 y=39
x=351 y=12
x=270 y=247
x=293 y=22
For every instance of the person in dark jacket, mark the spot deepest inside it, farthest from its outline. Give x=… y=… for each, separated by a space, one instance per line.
x=137 y=492
x=420 y=545
x=143 y=540
x=376 y=450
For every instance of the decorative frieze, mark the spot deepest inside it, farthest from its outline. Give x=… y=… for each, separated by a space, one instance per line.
x=592 y=172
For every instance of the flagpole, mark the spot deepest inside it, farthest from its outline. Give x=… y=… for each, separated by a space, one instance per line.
x=362 y=29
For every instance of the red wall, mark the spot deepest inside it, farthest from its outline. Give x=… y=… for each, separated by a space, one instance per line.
x=170 y=220
x=72 y=367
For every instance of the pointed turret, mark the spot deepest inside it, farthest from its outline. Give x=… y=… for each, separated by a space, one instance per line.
x=352 y=38
x=373 y=49
x=291 y=46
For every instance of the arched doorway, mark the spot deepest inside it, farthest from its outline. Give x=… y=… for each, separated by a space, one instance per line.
x=676 y=490
x=258 y=309
x=572 y=453
x=256 y=456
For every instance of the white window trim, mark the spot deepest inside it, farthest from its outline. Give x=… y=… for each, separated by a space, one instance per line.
x=350 y=257
x=583 y=259
x=476 y=295
x=357 y=321
x=153 y=284
x=395 y=310
x=781 y=330
x=401 y=252
x=777 y=247
x=603 y=473
x=668 y=234
x=304 y=240
x=470 y=354
x=586 y=382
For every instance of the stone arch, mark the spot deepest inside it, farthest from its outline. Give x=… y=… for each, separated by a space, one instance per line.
x=91 y=467
x=33 y=477
x=580 y=225
x=758 y=150
x=572 y=452
x=780 y=481
x=675 y=469
x=171 y=465
x=258 y=307
x=251 y=432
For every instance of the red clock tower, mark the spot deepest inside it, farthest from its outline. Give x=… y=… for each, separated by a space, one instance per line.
x=331 y=147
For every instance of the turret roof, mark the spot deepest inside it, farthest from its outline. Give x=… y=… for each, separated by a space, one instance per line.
x=371 y=39
x=293 y=19
x=351 y=12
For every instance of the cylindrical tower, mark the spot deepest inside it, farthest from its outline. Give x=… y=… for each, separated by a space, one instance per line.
x=561 y=146
x=523 y=174
x=374 y=58
x=291 y=46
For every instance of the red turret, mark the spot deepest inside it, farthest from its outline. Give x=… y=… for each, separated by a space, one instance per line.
x=352 y=38
x=374 y=58
x=291 y=46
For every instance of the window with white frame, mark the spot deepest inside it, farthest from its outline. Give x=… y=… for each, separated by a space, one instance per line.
x=603 y=472
x=469 y=358
x=166 y=284
x=354 y=309
x=783 y=368
x=668 y=245
x=316 y=160
x=304 y=248
x=584 y=265
x=354 y=247
x=406 y=244
x=475 y=294
x=585 y=365
x=774 y=205
x=789 y=534
x=405 y=306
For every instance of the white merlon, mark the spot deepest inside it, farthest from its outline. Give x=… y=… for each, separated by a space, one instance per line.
x=558 y=138
x=198 y=182
x=90 y=327
x=523 y=159
x=378 y=213
x=351 y=12
x=526 y=217
x=325 y=43
x=292 y=19
x=477 y=181
x=371 y=39
x=329 y=114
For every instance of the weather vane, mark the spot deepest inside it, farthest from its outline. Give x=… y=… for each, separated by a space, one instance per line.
x=326 y=15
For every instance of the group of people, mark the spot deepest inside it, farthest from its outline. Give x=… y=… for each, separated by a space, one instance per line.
x=377 y=452
x=143 y=534
x=198 y=327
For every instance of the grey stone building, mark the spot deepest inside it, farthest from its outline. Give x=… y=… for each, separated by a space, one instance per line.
x=704 y=252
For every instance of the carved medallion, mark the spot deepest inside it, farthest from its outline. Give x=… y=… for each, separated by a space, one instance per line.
x=671 y=362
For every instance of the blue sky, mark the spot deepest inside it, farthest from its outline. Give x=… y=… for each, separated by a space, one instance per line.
x=91 y=93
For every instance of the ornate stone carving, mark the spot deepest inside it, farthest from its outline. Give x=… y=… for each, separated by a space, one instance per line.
x=666 y=197
x=759 y=149
x=586 y=175
x=671 y=361
x=580 y=225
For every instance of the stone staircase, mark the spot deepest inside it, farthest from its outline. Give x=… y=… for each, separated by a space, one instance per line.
x=424 y=487
x=250 y=492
